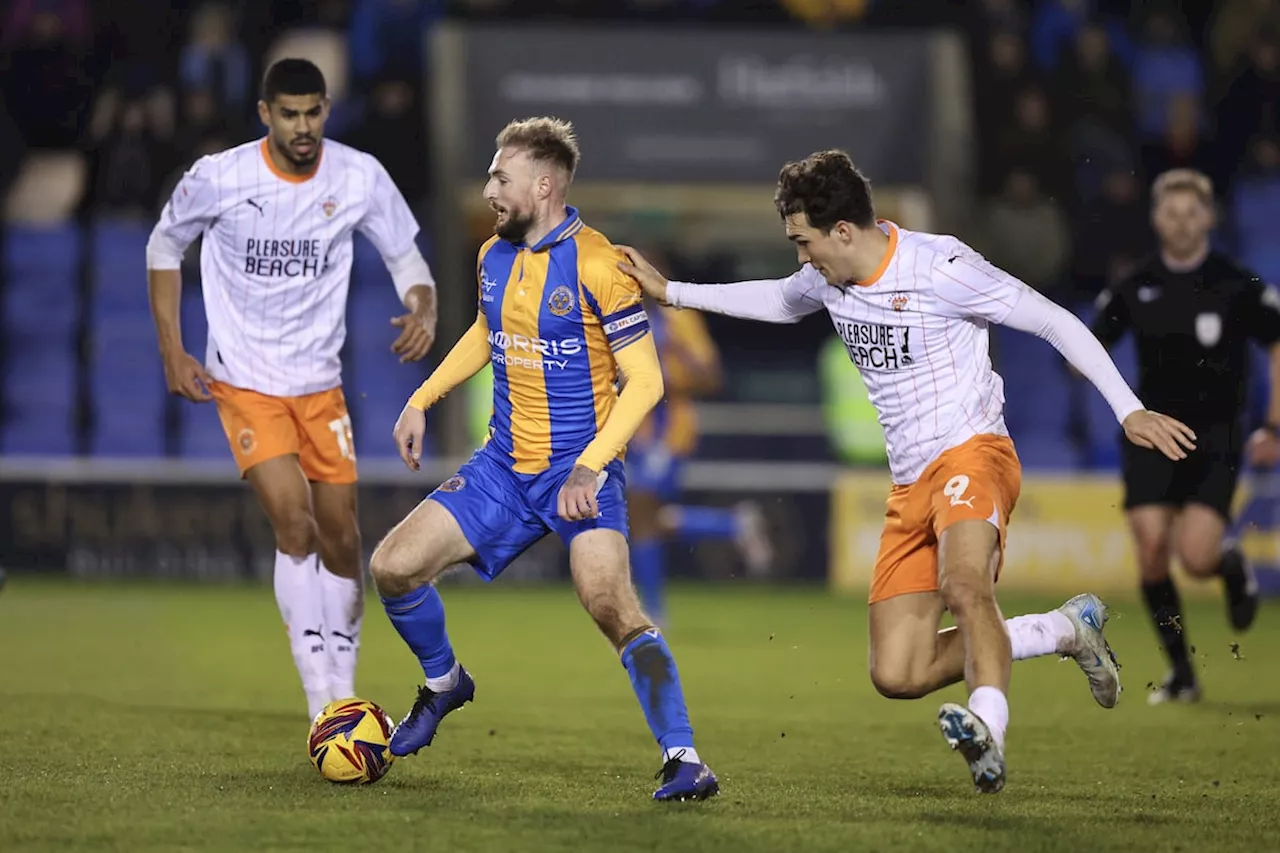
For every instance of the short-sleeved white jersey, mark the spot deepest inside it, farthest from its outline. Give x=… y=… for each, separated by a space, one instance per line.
x=276 y=258
x=917 y=331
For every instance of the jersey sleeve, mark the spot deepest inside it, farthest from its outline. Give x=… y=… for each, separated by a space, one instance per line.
x=191 y=209
x=614 y=297
x=1111 y=318
x=1263 y=312
x=967 y=286
x=785 y=300
x=387 y=222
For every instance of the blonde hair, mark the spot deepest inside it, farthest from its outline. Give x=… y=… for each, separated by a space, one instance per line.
x=546 y=139
x=1183 y=180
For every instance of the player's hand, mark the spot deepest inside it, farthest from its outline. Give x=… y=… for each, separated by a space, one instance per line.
x=417 y=333
x=1263 y=448
x=186 y=377
x=651 y=281
x=577 y=499
x=1155 y=431
x=411 y=426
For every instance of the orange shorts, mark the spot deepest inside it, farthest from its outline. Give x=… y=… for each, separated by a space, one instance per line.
x=980 y=479
x=315 y=427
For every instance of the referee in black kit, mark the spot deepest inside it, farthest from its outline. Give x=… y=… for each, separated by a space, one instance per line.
x=1192 y=312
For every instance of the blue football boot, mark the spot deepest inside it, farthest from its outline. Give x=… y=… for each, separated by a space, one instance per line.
x=418 y=728
x=684 y=780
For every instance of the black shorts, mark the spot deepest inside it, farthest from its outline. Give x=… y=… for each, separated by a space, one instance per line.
x=1207 y=476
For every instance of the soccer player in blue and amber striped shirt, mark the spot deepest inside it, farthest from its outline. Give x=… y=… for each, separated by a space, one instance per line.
x=563 y=329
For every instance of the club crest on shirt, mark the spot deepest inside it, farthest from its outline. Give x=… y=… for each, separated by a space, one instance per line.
x=560 y=302
x=456 y=483
x=328 y=206
x=899 y=302
x=1208 y=329
x=248 y=441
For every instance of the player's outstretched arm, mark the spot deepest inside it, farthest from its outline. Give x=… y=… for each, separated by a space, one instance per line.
x=785 y=300
x=642 y=389
x=1034 y=313
x=463 y=361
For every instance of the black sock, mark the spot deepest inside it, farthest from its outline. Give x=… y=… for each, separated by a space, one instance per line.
x=1166 y=612
x=1231 y=569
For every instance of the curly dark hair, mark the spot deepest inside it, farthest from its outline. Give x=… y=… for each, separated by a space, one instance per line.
x=548 y=140
x=827 y=188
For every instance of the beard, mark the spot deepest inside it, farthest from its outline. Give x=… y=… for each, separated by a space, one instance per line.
x=514 y=227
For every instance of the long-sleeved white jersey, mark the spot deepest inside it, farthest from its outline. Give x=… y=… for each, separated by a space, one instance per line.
x=918 y=333
x=276 y=258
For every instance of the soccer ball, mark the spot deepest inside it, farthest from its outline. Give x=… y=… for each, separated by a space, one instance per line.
x=350 y=741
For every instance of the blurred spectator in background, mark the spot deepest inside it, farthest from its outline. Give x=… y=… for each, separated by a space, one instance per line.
x=1182 y=143
x=1055 y=24
x=1235 y=26
x=1255 y=208
x=215 y=62
x=1091 y=84
x=393 y=115
x=1026 y=233
x=1110 y=233
x=131 y=166
x=1252 y=102
x=45 y=47
x=1166 y=67
x=1000 y=75
x=1030 y=142
x=386 y=38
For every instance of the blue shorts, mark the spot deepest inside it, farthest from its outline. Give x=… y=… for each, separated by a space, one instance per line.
x=654 y=469
x=503 y=513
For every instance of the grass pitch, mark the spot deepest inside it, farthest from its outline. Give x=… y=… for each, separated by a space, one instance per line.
x=168 y=717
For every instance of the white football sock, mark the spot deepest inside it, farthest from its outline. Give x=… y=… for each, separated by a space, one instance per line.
x=991 y=706
x=687 y=754
x=298 y=596
x=445 y=683
x=343 y=613
x=1041 y=634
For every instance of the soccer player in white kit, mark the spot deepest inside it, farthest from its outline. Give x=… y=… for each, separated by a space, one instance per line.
x=277 y=217
x=913 y=310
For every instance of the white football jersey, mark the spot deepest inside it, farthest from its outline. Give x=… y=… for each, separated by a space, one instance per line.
x=917 y=332
x=276 y=258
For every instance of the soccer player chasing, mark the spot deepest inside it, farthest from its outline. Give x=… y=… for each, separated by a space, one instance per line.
x=277 y=217
x=913 y=310
x=656 y=457
x=1192 y=312
x=559 y=322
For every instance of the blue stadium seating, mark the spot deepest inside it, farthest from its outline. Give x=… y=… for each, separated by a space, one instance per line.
x=126 y=379
x=41 y=316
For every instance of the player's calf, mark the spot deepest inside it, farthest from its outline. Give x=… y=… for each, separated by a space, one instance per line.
x=601 y=576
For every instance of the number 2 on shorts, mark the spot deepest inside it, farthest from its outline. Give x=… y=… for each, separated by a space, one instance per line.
x=955 y=489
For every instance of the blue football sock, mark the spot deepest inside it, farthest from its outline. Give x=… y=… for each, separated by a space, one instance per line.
x=657 y=685
x=419 y=618
x=705 y=522
x=647 y=572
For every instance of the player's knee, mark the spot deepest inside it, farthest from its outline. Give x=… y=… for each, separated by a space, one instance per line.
x=616 y=614
x=894 y=682
x=341 y=546
x=965 y=594
x=1199 y=561
x=1153 y=558
x=395 y=571
x=295 y=532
